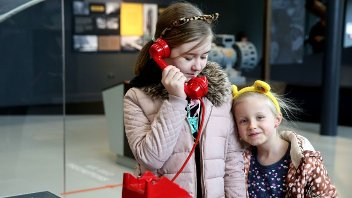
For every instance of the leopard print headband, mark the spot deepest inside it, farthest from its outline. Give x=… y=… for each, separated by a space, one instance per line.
x=184 y=20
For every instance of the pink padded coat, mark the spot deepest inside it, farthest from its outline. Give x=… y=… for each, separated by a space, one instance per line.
x=160 y=137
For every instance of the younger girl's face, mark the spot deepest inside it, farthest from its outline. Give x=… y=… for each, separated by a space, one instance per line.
x=191 y=58
x=257 y=124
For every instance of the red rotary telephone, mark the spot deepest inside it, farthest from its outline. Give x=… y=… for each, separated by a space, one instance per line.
x=196 y=87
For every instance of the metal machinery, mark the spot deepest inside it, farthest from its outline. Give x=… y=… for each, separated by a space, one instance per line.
x=233 y=56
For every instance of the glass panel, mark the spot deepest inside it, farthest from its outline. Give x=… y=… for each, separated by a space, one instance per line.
x=31 y=116
x=93 y=135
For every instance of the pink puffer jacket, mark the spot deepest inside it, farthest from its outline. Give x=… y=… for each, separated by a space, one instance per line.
x=160 y=139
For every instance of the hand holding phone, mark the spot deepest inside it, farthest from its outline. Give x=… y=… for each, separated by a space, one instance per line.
x=174 y=81
x=196 y=87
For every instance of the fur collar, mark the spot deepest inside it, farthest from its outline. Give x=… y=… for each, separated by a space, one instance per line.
x=219 y=87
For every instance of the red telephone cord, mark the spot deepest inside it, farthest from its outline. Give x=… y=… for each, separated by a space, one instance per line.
x=195 y=143
x=179 y=171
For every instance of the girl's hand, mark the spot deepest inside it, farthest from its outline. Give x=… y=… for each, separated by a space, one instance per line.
x=174 y=81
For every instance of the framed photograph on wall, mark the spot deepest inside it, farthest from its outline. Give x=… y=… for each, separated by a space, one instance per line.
x=96 y=26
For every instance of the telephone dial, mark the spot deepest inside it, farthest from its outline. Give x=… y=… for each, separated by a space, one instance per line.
x=196 y=87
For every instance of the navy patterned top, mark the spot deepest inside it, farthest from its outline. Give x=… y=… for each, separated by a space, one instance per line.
x=268 y=181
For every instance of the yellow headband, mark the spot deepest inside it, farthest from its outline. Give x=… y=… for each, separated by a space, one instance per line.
x=259 y=87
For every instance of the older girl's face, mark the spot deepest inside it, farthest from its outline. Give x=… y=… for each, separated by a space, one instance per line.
x=191 y=58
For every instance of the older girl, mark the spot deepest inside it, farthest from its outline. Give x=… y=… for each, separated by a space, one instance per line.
x=162 y=121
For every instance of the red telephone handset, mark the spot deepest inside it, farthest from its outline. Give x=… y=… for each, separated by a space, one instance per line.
x=196 y=87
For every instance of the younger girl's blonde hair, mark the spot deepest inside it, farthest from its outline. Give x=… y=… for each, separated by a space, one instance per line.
x=278 y=104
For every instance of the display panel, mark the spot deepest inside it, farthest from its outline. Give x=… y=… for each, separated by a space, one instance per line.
x=112 y=26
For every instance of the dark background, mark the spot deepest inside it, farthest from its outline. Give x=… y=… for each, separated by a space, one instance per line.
x=32 y=66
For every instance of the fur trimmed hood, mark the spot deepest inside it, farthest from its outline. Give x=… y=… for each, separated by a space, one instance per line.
x=219 y=86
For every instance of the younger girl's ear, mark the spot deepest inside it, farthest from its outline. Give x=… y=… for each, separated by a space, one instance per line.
x=278 y=120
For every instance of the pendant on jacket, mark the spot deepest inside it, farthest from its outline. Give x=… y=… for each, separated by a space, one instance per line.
x=193 y=120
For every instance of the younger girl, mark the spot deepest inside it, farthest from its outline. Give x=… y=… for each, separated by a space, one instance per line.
x=277 y=163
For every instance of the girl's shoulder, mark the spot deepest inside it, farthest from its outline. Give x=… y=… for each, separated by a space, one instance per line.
x=312 y=157
x=138 y=96
x=298 y=141
x=299 y=146
x=134 y=92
